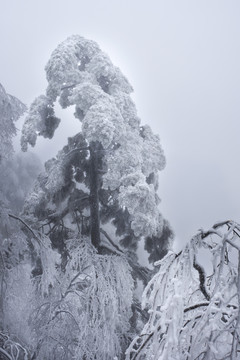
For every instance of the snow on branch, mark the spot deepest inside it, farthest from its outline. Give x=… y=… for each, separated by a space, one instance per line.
x=194 y=301
x=92 y=298
x=12 y=350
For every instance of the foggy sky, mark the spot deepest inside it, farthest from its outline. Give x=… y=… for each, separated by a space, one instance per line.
x=182 y=58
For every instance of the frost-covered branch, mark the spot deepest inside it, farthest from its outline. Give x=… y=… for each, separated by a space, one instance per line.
x=5 y=354
x=27 y=226
x=76 y=150
x=66 y=312
x=12 y=350
x=182 y=324
x=88 y=307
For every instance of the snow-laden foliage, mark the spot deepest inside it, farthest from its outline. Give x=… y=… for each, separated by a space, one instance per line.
x=56 y=192
x=10 y=110
x=79 y=74
x=80 y=312
x=159 y=248
x=194 y=301
x=87 y=310
x=40 y=121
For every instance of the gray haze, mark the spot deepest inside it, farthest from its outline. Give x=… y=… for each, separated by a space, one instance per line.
x=182 y=58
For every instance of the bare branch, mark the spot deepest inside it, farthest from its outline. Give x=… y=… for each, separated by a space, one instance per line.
x=193 y=307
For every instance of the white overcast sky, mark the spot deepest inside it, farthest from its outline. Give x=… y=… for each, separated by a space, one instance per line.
x=182 y=58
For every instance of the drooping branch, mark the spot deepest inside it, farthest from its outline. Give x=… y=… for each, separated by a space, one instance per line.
x=66 y=348
x=6 y=343
x=143 y=345
x=177 y=306
x=211 y=231
x=4 y=353
x=66 y=312
x=29 y=229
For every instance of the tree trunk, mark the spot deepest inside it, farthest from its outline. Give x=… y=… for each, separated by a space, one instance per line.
x=94 y=197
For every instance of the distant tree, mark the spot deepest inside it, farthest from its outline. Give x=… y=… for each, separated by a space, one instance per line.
x=18 y=174
x=11 y=239
x=10 y=109
x=194 y=301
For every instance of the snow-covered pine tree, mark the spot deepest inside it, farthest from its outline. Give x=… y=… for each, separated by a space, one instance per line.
x=113 y=156
x=105 y=177
x=194 y=301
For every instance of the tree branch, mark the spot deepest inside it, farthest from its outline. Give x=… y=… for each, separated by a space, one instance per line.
x=193 y=307
x=66 y=312
x=27 y=226
x=78 y=149
x=2 y=351
x=62 y=344
x=68 y=86
x=137 y=352
x=110 y=240
x=201 y=279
